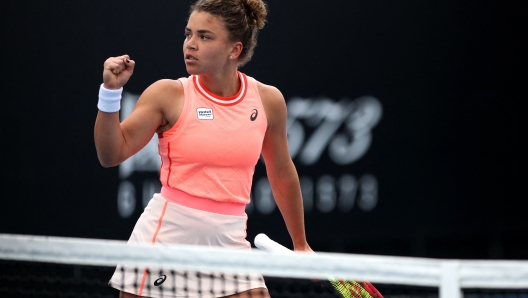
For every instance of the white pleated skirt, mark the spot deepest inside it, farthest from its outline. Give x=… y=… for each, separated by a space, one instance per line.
x=164 y=222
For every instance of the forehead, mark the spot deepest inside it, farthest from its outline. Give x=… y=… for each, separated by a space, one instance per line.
x=201 y=20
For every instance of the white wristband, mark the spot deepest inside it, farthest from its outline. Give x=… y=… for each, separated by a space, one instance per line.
x=109 y=100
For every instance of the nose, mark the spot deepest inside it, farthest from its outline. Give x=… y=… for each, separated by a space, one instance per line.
x=190 y=44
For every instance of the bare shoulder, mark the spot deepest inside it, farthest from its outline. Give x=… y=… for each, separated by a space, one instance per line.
x=168 y=84
x=274 y=104
x=272 y=99
x=165 y=98
x=161 y=95
x=270 y=94
x=163 y=89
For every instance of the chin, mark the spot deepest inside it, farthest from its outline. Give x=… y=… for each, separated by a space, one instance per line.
x=193 y=71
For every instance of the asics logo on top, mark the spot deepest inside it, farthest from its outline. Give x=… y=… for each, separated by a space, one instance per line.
x=205 y=113
x=254 y=115
x=160 y=280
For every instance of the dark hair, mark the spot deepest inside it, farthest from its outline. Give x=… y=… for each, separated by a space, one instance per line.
x=242 y=18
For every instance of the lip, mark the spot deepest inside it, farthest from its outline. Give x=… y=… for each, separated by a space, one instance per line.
x=190 y=59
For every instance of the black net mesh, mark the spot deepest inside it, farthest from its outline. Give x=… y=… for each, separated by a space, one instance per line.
x=36 y=279
x=31 y=279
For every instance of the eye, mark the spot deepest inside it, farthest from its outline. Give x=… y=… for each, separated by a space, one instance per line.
x=187 y=35
x=203 y=37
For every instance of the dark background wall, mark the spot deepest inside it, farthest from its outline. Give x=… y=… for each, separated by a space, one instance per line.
x=445 y=173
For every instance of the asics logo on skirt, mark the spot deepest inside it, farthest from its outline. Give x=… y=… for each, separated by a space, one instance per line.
x=160 y=280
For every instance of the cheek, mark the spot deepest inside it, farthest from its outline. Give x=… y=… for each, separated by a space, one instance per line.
x=211 y=53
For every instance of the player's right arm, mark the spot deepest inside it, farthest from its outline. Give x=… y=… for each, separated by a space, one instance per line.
x=116 y=141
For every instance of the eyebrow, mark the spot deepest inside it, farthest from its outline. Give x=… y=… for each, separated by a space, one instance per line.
x=201 y=31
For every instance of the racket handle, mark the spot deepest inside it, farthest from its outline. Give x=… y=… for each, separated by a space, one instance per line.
x=262 y=241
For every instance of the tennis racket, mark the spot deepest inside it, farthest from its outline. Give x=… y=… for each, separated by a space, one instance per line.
x=347 y=288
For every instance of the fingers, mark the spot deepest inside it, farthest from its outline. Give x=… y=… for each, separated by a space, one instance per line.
x=117 y=64
x=126 y=62
x=114 y=67
x=129 y=65
x=117 y=71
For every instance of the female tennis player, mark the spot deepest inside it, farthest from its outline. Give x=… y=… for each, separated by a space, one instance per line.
x=212 y=128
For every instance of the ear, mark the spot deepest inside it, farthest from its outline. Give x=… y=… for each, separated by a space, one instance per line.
x=237 y=49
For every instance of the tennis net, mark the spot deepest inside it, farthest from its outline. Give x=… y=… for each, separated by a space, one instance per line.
x=37 y=266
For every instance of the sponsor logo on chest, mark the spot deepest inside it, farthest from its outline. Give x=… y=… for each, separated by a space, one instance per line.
x=205 y=113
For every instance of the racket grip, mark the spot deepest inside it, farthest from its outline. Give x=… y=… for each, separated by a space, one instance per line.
x=262 y=241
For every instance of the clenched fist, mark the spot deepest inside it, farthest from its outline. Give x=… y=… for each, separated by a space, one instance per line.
x=117 y=71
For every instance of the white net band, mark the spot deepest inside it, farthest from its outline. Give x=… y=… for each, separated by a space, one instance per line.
x=448 y=275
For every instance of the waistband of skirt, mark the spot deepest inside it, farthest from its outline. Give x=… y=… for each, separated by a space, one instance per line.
x=184 y=199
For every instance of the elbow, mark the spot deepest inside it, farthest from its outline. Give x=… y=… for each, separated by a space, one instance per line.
x=108 y=162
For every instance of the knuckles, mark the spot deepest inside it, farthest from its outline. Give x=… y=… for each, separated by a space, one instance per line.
x=114 y=66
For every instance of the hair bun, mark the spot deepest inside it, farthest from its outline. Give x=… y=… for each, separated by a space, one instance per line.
x=256 y=12
x=242 y=19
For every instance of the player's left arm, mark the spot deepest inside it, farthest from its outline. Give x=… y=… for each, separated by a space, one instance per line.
x=280 y=169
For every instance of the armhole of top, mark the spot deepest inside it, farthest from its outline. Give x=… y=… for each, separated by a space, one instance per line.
x=256 y=84
x=167 y=135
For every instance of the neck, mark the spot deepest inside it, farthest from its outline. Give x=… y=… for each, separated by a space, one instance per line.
x=223 y=85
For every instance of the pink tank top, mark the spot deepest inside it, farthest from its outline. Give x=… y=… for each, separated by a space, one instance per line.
x=212 y=150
